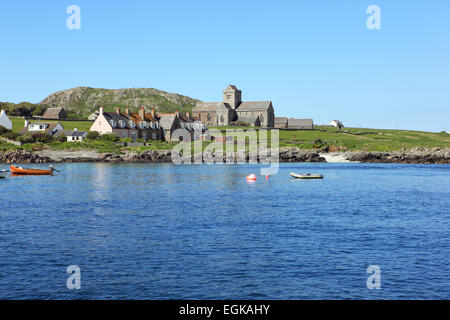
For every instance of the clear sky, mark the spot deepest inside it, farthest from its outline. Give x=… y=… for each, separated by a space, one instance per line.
x=313 y=59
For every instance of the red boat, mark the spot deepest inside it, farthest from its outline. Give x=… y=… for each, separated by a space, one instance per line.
x=33 y=172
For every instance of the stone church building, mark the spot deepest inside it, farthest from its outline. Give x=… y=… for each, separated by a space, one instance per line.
x=233 y=109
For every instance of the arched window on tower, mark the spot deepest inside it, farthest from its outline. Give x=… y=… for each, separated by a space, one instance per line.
x=222 y=119
x=208 y=117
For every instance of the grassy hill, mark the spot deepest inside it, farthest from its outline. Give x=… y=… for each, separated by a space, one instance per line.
x=80 y=102
x=84 y=100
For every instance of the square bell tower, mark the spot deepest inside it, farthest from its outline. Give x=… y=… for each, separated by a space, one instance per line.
x=232 y=96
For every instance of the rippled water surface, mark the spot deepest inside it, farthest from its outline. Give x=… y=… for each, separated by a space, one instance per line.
x=159 y=231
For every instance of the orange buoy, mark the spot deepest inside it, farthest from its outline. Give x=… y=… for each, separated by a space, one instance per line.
x=251 y=177
x=267 y=177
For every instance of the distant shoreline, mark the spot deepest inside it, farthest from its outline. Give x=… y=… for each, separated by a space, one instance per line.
x=286 y=155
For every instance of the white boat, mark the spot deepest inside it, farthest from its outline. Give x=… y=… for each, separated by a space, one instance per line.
x=3 y=173
x=306 y=176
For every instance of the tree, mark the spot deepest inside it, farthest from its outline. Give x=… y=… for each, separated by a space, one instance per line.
x=110 y=137
x=93 y=135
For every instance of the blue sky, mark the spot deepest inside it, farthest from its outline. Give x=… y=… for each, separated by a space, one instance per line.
x=313 y=59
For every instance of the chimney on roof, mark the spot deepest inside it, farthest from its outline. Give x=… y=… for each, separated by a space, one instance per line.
x=127 y=111
x=153 y=112
x=76 y=129
x=102 y=109
x=27 y=123
x=142 y=113
x=188 y=116
x=118 y=110
x=177 y=113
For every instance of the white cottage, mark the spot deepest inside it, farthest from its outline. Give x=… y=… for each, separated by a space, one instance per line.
x=336 y=123
x=75 y=135
x=4 y=120
x=51 y=128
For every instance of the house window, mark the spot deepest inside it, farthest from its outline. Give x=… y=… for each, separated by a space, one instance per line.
x=144 y=135
x=124 y=134
x=133 y=136
x=228 y=96
x=154 y=136
x=208 y=117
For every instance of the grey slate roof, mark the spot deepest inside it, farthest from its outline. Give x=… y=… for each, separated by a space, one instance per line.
x=300 y=123
x=116 y=117
x=52 y=113
x=73 y=133
x=281 y=120
x=209 y=106
x=253 y=105
x=167 y=121
x=251 y=119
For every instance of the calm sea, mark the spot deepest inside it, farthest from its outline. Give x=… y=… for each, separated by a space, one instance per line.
x=160 y=231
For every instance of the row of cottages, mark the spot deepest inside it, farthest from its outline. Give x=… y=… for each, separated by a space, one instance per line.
x=5 y=121
x=292 y=123
x=233 y=109
x=128 y=125
x=142 y=125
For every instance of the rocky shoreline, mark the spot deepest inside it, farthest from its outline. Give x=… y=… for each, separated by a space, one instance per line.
x=413 y=156
x=286 y=154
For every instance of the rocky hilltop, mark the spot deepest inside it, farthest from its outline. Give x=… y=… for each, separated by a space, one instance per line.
x=82 y=101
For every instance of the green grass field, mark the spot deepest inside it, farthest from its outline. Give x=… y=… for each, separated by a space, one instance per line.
x=320 y=137
x=360 y=139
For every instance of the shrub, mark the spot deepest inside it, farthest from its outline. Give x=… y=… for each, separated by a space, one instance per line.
x=11 y=135
x=62 y=138
x=35 y=137
x=93 y=135
x=26 y=138
x=109 y=137
x=126 y=140
x=42 y=137
x=4 y=131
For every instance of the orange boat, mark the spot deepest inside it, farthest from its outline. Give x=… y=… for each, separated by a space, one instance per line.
x=33 y=172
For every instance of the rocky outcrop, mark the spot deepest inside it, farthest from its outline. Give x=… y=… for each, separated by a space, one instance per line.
x=292 y=154
x=148 y=156
x=416 y=155
x=23 y=156
x=85 y=100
